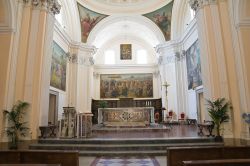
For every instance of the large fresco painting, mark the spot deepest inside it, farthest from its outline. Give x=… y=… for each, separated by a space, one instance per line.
x=162 y=18
x=88 y=20
x=193 y=66
x=126 y=85
x=58 y=68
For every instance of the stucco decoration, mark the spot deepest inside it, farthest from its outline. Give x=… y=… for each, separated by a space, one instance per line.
x=88 y=19
x=162 y=18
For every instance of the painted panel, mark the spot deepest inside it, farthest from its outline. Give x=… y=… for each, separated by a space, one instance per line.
x=126 y=85
x=58 y=68
x=193 y=66
x=88 y=19
x=126 y=51
x=162 y=18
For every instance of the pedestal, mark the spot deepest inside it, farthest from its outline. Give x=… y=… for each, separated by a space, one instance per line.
x=84 y=125
x=68 y=122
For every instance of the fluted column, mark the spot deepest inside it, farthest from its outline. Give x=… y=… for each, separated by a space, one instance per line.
x=217 y=63
x=81 y=76
x=35 y=52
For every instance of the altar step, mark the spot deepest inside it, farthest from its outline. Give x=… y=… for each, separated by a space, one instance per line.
x=94 y=147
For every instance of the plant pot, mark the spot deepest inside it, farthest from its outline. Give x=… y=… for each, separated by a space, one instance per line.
x=218 y=139
x=14 y=143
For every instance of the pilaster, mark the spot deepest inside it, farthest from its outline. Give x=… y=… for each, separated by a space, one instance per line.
x=167 y=71
x=33 y=72
x=216 y=74
x=81 y=76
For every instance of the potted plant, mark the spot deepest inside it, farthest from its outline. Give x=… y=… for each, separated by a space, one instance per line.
x=16 y=126
x=103 y=104
x=218 y=111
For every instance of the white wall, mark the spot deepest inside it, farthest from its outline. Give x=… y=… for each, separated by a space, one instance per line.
x=115 y=46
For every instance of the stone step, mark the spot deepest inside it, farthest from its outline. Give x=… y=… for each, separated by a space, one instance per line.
x=126 y=141
x=123 y=153
x=117 y=147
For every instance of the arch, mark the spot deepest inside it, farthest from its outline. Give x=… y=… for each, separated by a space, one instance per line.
x=142 y=24
x=8 y=18
x=178 y=18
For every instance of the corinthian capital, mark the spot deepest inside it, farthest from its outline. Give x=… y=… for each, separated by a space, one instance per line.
x=197 y=4
x=51 y=6
x=54 y=7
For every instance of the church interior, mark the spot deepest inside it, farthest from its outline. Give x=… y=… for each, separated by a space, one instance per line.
x=124 y=82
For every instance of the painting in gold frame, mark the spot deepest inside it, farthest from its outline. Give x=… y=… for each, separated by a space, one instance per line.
x=126 y=51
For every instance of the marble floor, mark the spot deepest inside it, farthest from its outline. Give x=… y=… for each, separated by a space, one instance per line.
x=123 y=161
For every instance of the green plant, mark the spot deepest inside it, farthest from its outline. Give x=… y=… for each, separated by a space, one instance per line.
x=103 y=104
x=16 y=125
x=218 y=111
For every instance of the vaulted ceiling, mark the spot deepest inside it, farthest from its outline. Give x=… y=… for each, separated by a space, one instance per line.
x=111 y=7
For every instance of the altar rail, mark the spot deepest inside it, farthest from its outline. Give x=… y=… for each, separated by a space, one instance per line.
x=156 y=103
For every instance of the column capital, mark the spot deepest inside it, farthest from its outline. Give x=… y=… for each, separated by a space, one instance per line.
x=198 y=4
x=52 y=6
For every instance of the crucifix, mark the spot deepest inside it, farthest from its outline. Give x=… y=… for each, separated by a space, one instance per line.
x=166 y=85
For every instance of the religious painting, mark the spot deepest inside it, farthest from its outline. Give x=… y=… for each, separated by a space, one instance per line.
x=126 y=51
x=58 y=68
x=162 y=18
x=88 y=19
x=193 y=66
x=126 y=85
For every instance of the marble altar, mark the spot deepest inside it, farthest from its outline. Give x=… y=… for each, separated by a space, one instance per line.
x=132 y=116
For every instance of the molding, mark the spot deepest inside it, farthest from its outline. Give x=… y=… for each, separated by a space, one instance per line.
x=198 y=4
x=9 y=24
x=243 y=23
x=125 y=66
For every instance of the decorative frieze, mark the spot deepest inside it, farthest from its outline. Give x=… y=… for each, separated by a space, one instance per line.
x=52 y=6
x=79 y=59
x=197 y=4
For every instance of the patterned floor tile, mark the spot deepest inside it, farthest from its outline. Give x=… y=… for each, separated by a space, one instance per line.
x=125 y=161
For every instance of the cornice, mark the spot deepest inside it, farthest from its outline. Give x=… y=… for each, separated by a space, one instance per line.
x=198 y=4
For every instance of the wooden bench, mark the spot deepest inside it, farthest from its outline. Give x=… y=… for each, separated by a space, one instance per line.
x=175 y=155
x=65 y=158
x=220 y=162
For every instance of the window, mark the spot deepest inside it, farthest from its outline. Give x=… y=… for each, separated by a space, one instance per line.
x=109 y=57
x=142 y=57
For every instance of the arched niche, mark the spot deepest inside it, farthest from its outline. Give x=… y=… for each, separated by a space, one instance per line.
x=7 y=15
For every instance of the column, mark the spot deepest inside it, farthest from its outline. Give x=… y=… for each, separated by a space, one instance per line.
x=167 y=70
x=81 y=77
x=217 y=64
x=38 y=53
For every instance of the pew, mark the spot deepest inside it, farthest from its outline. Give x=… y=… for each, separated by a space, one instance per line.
x=176 y=155
x=65 y=158
x=220 y=162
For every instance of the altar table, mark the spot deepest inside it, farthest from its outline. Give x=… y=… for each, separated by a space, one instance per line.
x=131 y=117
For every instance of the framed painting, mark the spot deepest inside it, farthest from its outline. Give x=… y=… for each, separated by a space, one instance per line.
x=58 y=68
x=193 y=66
x=126 y=51
x=126 y=85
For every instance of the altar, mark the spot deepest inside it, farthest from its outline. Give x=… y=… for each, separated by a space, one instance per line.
x=126 y=117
